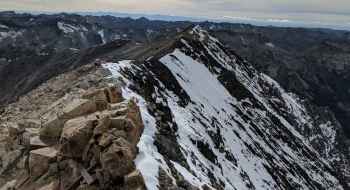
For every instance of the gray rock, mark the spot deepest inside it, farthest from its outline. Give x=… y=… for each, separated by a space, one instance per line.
x=9 y=158
x=103 y=72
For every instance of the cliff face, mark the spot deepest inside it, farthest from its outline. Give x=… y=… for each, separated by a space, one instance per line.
x=201 y=117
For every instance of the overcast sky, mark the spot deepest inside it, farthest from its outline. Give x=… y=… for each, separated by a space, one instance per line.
x=313 y=12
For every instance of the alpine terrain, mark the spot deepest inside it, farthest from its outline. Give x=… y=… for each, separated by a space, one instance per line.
x=310 y=62
x=184 y=112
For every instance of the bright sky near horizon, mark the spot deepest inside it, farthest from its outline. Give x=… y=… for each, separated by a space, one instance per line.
x=312 y=12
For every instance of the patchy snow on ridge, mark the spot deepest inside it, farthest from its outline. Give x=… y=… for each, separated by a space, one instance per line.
x=10 y=34
x=68 y=28
x=3 y=26
x=147 y=159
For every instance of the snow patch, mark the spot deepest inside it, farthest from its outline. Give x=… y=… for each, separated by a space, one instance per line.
x=270 y=44
x=101 y=33
x=3 y=26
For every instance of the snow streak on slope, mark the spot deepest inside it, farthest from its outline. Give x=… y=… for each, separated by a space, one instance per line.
x=239 y=129
x=69 y=28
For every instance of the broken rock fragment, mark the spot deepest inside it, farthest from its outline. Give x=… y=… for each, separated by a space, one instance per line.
x=76 y=135
x=40 y=160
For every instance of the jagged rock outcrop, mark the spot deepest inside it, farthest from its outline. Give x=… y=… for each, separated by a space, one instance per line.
x=87 y=140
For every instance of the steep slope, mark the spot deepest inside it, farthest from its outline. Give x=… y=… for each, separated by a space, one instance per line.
x=217 y=122
x=311 y=64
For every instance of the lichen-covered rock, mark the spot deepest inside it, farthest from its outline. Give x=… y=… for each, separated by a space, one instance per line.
x=76 y=135
x=117 y=160
x=125 y=143
x=118 y=122
x=134 y=126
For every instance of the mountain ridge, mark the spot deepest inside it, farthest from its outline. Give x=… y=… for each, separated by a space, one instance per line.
x=211 y=120
x=167 y=95
x=289 y=55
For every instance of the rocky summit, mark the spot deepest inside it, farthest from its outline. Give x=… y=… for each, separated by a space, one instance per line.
x=85 y=139
x=185 y=112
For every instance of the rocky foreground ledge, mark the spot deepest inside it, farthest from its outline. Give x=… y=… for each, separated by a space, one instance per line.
x=85 y=140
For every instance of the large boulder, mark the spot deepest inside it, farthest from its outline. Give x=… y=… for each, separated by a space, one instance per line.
x=107 y=95
x=114 y=94
x=53 y=127
x=134 y=179
x=117 y=160
x=125 y=143
x=133 y=127
x=98 y=95
x=103 y=72
x=76 y=135
x=40 y=160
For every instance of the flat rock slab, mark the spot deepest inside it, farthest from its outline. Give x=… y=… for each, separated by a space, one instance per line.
x=79 y=107
x=38 y=142
x=10 y=158
x=40 y=160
